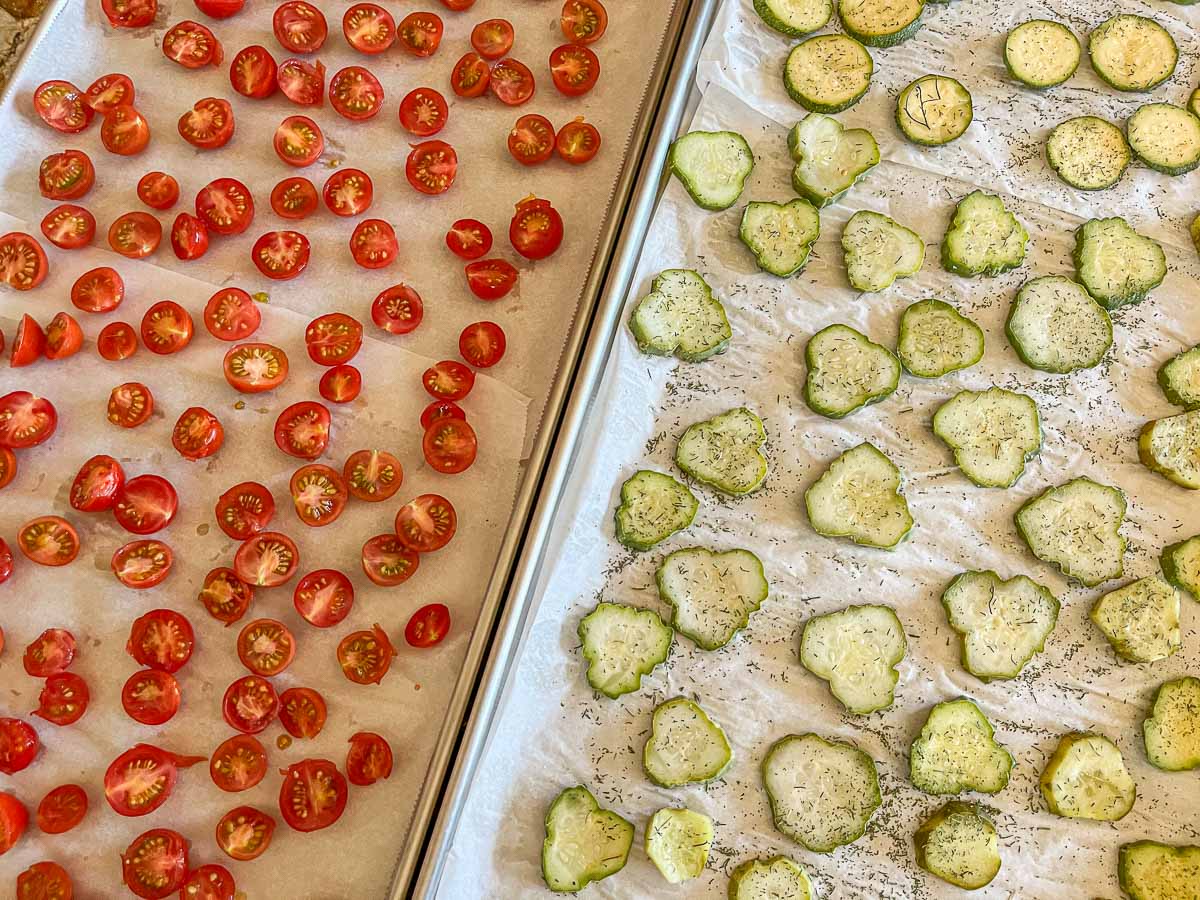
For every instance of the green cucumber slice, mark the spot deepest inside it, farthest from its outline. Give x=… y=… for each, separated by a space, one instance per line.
x=1086 y=778
x=1076 y=526
x=856 y=650
x=1088 y=153
x=1041 y=54
x=1055 y=325
x=621 y=644
x=959 y=845
x=1132 y=53
x=680 y=316
x=858 y=497
x=584 y=843
x=829 y=158
x=1141 y=620
x=653 y=507
x=778 y=878
x=936 y=339
x=957 y=751
x=725 y=452
x=881 y=23
x=828 y=73
x=1002 y=624
x=795 y=17
x=1181 y=565
x=780 y=235
x=1171 y=447
x=992 y=434
x=1194 y=102
x=1194 y=231
x=1172 y=730
x=1149 y=870
x=1117 y=265
x=984 y=238
x=685 y=746
x=713 y=166
x=712 y=595
x=677 y=842
x=1165 y=137
x=1179 y=379
x=879 y=250
x=934 y=110
x=846 y=371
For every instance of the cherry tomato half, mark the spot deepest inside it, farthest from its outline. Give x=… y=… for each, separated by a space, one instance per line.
x=64 y=337
x=69 y=227
x=387 y=562
x=431 y=167
x=536 y=229
x=49 y=541
x=302 y=430
x=577 y=141
x=130 y=404
x=398 y=309
x=369 y=28
x=97 y=484
x=294 y=198
x=302 y=712
x=166 y=328
x=482 y=344
x=220 y=9
x=26 y=420
x=46 y=880
x=146 y=504
x=299 y=27
x=142 y=564
x=491 y=279
x=372 y=475
x=301 y=82
x=341 y=384
x=531 y=140
x=63 y=700
x=155 y=864
x=584 y=21
x=245 y=833
x=458 y=5
x=225 y=596
x=373 y=244
x=254 y=368
x=299 y=141
x=197 y=433
x=423 y=112
x=141 y=779
x=208 y=124
x=348 y=192
x=281 y=255
x=440 y=409
x=324 y=597
x=366 y=656
x=191 y=45
x=450 y=445
x=124 y=131
x=428 y=626
x=313 y=795
x=189 y=237
x=62 y=106
x=62 y=809
x=238 y=764
x=150 y=697
x=492 y=38
x=250 y=704
x=161 y=639
x=245 y=510
x=98 y=290
x=8 y=471
x=129 y=14
x=116 y=341
x=318 y=494
x=574 y=68
x=226 y=206
x=511 y=82
x=369 y=758
x=469 y=239
x=355 y=94
x=267 y=559
x=66 y=175
x=266 y=647
x=158 y=190
x=210 y=881
x=333 y=338
x=18 y=745
x=13 y=819
x=426 y=523
x=420 y=33
x=231 y=315
x=23 y=263
x=448 y=380
x=51 y=652
x=253 y=72
x=470 y=76
x=135 y=234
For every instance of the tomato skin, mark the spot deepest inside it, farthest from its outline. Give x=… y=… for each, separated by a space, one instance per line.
x=584 y=21
x=492 y=38
x=18 y=745
x=245 y=510
x=64 y=337
x=323 y=598
x=369 y=28
x=209 y=124
x=250 y=704
x=450 y=445
x=155 y=864
x=428 y=626
x=238 y=764
x=66 y=175
x=51 y=653
x=299 y=26
x=302 y=712
x=98 y=290
x=531 y=140
x=97 y=484
x=146 y=504
x=387 y=563
x=470 y=76
x=231 y=315
x=512 y=83
x=8 y=471
x=441 y=409
x=491 y=279
x=294 y=198
x=225 y=596
x=62 y=106
x=150 y=697
x=189 y=237
x=135 y=234
x=63 y=700
x=348 y=192
x=423 y=112
x=341 y=384
x=266 y=647
x=268 y=559
x=130 y=404
x=299 y=141
x=333 y=339
x=426 y=523
x=301 y=82
x=281 y=255
x=254 y=368
x=448 y=380
x=44 y=881
x=197 y=434
x=574 y=69
x=124 y=131
x=209 y=882
x=23 y=263
x=302 y=430
x=369 y=758
x=158 y=190
x=482 y=344
x=578 y=141
x=13 y=819
x=536 y=229
x=420 y=33
x=129 y=14
x=62 y=809
x=220 y=9
x=313 y=795
x=373 y=244
x=166 y=328
x=191 y=45
x=398 y=309
x=458 y=5
x=116 y=341
x=161 y=639
x=26 y=420
x=431 y=167
x=245 y=833
x=226 y=206
x=49 y=541
x=253 y=72
x=355 y=94
x=69 y=227
x=109 y=91
x=469 y=239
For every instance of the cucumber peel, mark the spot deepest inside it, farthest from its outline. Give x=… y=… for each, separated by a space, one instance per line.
x=713 y=166
x=621 y=644
x=856 y=650
x=858 y=497
x=1181 y=565
x=936 y=339
x=1086 y=778
x=879 y=250
x=780 y=235
x=1076 y=526
x=1141 y=620
x=685 y=746
x=1179 y=379
x=829 y=158
x=992 y=434
x=1172 y=730
x=956 y=751
x=584 y=843
x=680 y=317
x=881 y=23
x=1055 y=325
x=653 y=507
x=1171 y=447
x=777 y=878
x=1149 y=870
x=828 y=73
x=959 y=845
x=1115 y=264
x=677 y=842
x=1001 y=623
x=984 y=237
x=846 y=371
x=712 y=595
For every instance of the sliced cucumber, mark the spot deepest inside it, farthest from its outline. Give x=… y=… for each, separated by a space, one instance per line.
x=685 y=746
x=828 y=73
x=1002 y=623
x=780 y=235
x=1181 y=565
x=1141 y=620
x=936 y=339
x=1149 y=870
x=1171 y=447
x=856 y=650
x=879 y=250
x=992 y=434
x=795 y=17
x=680 y=316
x=1172 y=730
x=677 y=842
x=1041 y=53
x=1055 y=325
x=1116 y=264
x=846 y=371
x=621 y=644
x=725 y=452
x=1194 y=102
x=584 y=843
x=858 y=497
x=934 y=110
x=958 y=844
x=881 y=23
x=712 y=595
x=1088 y=153
x=1180 y=379
x=1076 y=526
x=829 y=158
x=653 y=507
x=1194 y=231
x=984 y=237
x=822 y=793
x=713 y=166
x=956 y=751
x=1132 y=53
x=1086 y=778
x=1165 y=137
x=777 y=878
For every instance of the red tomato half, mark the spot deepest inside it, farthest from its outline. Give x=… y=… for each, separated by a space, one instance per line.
x=281 y=255
x=373 y=244
x=458 y=5
x=302 y=712
x=225 y=596
x=301 y=82
x=482 y=344
x=45 y=880
x=386 y=561
x=470 y=76
x=245 y=833
x=440 y=409
x=18 y=745
x=299 y=141
x=150 y=697
x=64 y=337
x=299 y=27
x=62 y=809
x=51 y=652
x=155 y=865
x=584 y=21
x=426 y=523
x=536 y=229
x=245 y=510
x=208 y=124
x=318 y=494
x=492 y=38
x=98 y=290
x=491 y=279
x=431 y=167
x=268 y=559
x=69 y=227
x=448 y=380
x=369 y=758
x=333 y=338
x=231 y=315
x=398 y=309
x=226 y=206
x=250 y=704
x=97 y=484
x=355 y=94
x=13 y=819
x=253 y=72
x=210 y=881
x=266 y=647
x=578 y=141
x=428 y=626
x=141 y=779
x=63 y=700
x=8 y=471
x=135 y=234
x=124 y=131
x=108 y=92
x=161 y=639
x=511 y=82
x=341 y=384
x=294 y=198
x=574 y=69
x=423 y=112
x=420 y=33
x=197 y=433
x=129 y=14
x=531 y=140
x=189 y=237
x=450 y=445
x=369 y=28
x=348 y=192
x=23 y=262
x=366 y=656
x=62 y=106
x=254 y=368
x=146 y=504
x=49 y=541
x=158 y=190
x=166 y=328
x=313 y=795
x=130 y=404
x=26 y=420
x=324 y=597
x=220 y=9
x=192 y=45
x=469 y=239
x=372 y=475
x=238 y=764
x=302 y=430
x=116 y=341
x=142 y=564
x=66 y=175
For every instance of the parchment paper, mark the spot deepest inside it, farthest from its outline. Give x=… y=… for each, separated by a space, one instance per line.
x=554 y=731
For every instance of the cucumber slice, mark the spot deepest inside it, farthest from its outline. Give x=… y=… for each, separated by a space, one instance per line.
x=653 y=507
x=1055 y=325
x=934 y=110
x=777 y=878
x=711 y=595
x=829 y=158
x=1194 y=231
x=881 y=23
x=1141 y=620
x=858 y=497
x=1076 y=526
x=822 y=793
x=1149 y=870
x=1165 y=137
x=1088 y=153
x=584 y=843
x=680 y=316
x=724 y=452
x=685 y=746
x=1132 y=53
x=992 y=434
x=677 y=842
x=1172 y=730
x=713 y=166
x=1116 y=264
x=1180 y=379
x=1194 y=102
x=828 y=73
x=1086 y=778
x=621 y=644
x=879 y=250
x=958 y=844
x=846 y=371
x=780 y=235
x=1042 y=54
x=856 y=650
x=956 y=751
x=984 y=237
x=1181 y=565
x=1171 y=447
x=936 y=339
x=1002 y=624
x=795 y=17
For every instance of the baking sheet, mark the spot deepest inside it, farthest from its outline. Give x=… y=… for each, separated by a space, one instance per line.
x=554 y=732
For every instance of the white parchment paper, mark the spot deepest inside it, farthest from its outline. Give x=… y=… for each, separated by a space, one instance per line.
x=554 y=731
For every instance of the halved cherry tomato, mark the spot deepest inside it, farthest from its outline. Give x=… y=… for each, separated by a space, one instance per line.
x=98 y=290
x=428 y=625
x=49 y=541
x=254 y=368
x=197 y=433
x=281 y=255
x=372 y=475
x=245 y=833
x=109 y=91
x=208 y=124
x=574 y=69
x=8 y=471
x=66 y=175
x=301 y=82
x=129 y=14
x=341 y=384
x=238 y=764
x=348 y=192
x=231 y=314
x=63 y=700
x=299 y=27
x=192 y=45
x=189 y=237
x=253 y=72
x=26 y=420
x=266 y=647
x=18 y=745
x=482 y=344
x=135 y=234
x=150 y=696
x=116 y=341
x=440 y=409
x=531 y=140
x=142 y=564
x=158 y=190
x=366 y=656
x=245 y=509
x=64 y=337
x=302 y=430
x=369 y=28
x=318 y=494
x=124 y=131
x=323 y=598
x=584 y=21
x=511 y=82
x=268 y=559
x=420 y=33
x=470 y=76
x=450 y=445
x=13 y=819
x=387 y=563
x=299 y=141
x=426 y=523
x=225 y=596
x=51 y=652
x=155 y=865
x=458 y=5
x=161 y=639
x=210 y=881
x=23 y=262
x=226 y=206
x=373 y=244
x=97 y=484
x=146 y=504
x=62 y=106
x=141 y=779
x=69 y=227
x=536 y=229
x=294 y=198
x=46 y=880
x=448 y=380
x=333 y=338
x=302 y=712
x=369 y=758
x=62 y=809
x=166 y=328
x=250 y=704
x=355 y=94
x=220 y=9
x=578 y=141
x=431 y=167
x=469 y=239
x=491 y=279
x=398 y=309
x=313 y=795
x=130 y=404
x=492 y=38
x=423 y=112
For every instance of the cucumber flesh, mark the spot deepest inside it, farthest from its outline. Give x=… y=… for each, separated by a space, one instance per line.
x=1117 y=265
x=856 y=650
x=778 y=878
x=936 y=339
x=1076 y=526
x=795 y=17
x=713 y=166
x=1165 y=137
x=1172 y=730
x=1132 y=53
x=780 y=235
x=858 y=497
x=677 y=842
x=1088 y=153
x=1086 y=778
x=846 y=371
x=1002 y=624
x=1171 y=447
x=1041 y=53
x=712 y=595
x=653 y=507
x=680 y=316
x=956 y=751
x=1055 y=325
x=584 y=843
x=934 y=110
x=1149 y=870
x=984 y=237
x=685 y=746
x=881 y=23
x=879 y=250
x=829 y=158
x=992 y=434
x=1194 y=102
x=828 y=73
x=959 y=845
x=1181 y=565
x=1141 y=620
x=725 y=452
x=621 y=644
x=1180 y=379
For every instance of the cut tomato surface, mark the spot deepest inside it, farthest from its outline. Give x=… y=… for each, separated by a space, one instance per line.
x=62 y=809
x=142 y=564
x=299 y=141
x=197 y=433
x=387 y=562
x=577 y=141
x=226 y=206
x=98 y=290
x=420 y=33
x=49 y=541
x=238 y=764
x=8 y=471
x=189 y=237
x=225 y=596
x=268 y=559
x=64 y=337
x=584 y=21
x=158 y=190
x=266 y=647
x=124 y=131
x=63 y=700
x=23 y=263
x=18 y=745
x=130 y=404
x=398 y=309
x=299 y=26
x=209 y=882
x=26 y=420
x=369 y=28
x=348 y=192
x=150 y=697
x=208 y=124
x=531 y=140
x=426 y=523
x=428 y=626
x=294 y=198
x=302 y=430
x=369 y=758
x=155 y=864
x=469 y=239
x=146 y=504
x=254 y=368
x=536 y=229
x=423 y=112
x=13 y=819
x=318 y=494
x=117 y=341
x=440 y=409
x=355 y=94
x=62 y=106
x=66 y=175
x=313 y=795
x=220 y=9
x=302 y=82
x=166 y=328
x=373 y=244
x=324 y=597
x=333 y=338
x=574 y=69
x=281 y=255
x=431 y=167
x=511 y=82
x=302 y=712
x=49 y=653
x=470 y=75
x=340 y=384
x=135 y=234
x=192 y=45
x=450 y=445
x=231 y=315
x=245 y=510
x=250 y=704
x=372 y=475
x=253 y=72
x=245 y=833
x=491 y=279
x=141 y=779
x=448 y=380
x=69 y=227
x=492 y=38
x=97 y=484
x=161 y=639
x=45 y=880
